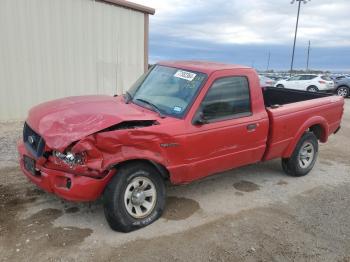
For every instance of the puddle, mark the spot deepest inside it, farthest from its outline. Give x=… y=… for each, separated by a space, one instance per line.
x=72 y=210
x=179 y=208
x=326 y=162
x=36 y=233
x=33 y=192
x=246 y=186
x=282 y=183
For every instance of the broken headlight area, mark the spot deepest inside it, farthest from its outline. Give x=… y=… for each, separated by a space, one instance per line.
x=70 y=158
x=74 y=163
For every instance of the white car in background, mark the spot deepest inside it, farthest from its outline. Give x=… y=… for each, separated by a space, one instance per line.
x=265 y=81
x=308 y=82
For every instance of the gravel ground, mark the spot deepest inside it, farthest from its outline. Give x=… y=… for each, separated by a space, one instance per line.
x=255 y=213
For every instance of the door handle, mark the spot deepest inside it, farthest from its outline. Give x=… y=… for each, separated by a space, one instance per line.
x=251 y=127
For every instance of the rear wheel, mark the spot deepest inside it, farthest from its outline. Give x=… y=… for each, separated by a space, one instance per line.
x=280 y=86
x=304 y=156
x=312 y=89
x=134 y=198
x=343 y=91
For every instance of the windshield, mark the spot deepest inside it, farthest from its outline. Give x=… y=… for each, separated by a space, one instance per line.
x=167 y=90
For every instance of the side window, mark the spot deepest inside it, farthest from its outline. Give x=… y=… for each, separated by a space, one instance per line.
x=227 y=97
x=312 y=77
x=294 y=78
x=307 y=77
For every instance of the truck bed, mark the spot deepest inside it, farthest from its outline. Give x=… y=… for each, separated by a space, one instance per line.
x=291 y=112
x=274 y=96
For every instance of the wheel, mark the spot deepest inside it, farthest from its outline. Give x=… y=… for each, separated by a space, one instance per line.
x=312 y=89
x=134 y=198
x=280 y=86
x=343 y=91
x=304 y=156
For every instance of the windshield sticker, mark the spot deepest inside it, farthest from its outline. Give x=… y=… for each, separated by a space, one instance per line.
x=185 y=75
x=177 y=109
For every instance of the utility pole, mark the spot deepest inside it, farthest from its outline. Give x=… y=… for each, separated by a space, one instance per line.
x=296 y=31
x=268 y=61
x=308 y=56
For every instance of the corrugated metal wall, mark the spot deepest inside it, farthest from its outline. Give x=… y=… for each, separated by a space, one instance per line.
x=56 y=48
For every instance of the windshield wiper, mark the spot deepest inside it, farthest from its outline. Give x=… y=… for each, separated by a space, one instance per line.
x=128 y=97
x=155 y=108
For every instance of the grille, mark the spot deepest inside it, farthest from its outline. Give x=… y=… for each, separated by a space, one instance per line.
x=34 y=143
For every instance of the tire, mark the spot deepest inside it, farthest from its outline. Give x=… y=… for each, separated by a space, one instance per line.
x=280 y=86
x=312 y=89
x=125 y=199
x=304 y=156
x=343 y=91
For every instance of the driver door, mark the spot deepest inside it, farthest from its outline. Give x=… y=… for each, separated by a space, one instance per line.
x=230 y=135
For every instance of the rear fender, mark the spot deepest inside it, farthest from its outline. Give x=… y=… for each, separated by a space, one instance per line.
x=316 y=120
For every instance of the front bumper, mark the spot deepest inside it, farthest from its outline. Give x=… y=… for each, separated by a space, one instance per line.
x=64 y=184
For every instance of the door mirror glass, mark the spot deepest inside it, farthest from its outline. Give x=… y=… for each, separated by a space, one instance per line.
x=199 y=119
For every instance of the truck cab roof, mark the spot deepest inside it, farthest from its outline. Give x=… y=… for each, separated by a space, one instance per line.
x=202 y=66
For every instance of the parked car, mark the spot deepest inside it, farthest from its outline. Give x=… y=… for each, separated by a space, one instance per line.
x=308 y=82
x=276 y=78
x=343 y=87
x=180 y=122
x=266 y=81
x=337 y=78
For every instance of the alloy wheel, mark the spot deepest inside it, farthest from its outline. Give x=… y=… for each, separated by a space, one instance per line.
x=140 y=197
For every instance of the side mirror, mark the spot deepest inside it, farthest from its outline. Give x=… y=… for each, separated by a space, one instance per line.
x=199 y=119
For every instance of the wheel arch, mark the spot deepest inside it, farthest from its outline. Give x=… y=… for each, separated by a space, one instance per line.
x=312 y=86
x=317 y=125
x=163 y=171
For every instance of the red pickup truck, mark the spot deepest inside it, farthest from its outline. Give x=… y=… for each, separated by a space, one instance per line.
x=180 y=122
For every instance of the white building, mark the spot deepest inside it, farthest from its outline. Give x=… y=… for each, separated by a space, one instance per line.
x=57 y=48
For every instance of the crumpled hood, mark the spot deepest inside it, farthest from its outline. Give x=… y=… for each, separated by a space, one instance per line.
x=63 y=121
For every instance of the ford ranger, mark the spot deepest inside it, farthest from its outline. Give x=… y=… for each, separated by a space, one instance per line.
x=180 y=122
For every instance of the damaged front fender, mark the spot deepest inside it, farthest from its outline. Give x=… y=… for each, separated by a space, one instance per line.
x=106 y=149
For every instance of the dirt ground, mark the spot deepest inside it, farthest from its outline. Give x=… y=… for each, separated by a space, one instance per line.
x=255 y=213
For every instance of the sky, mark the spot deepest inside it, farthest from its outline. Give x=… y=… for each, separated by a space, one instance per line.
x=245 y=31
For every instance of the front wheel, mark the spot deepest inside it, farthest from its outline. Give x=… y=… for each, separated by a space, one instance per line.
x=343 y=91
x=304 y=156
x=134 y=198
x=280 y=86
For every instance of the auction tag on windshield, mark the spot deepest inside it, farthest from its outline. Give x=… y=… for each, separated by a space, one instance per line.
x=177 y=109
x=185 y=75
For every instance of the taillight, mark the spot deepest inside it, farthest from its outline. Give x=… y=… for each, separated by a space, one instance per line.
x=322 y=82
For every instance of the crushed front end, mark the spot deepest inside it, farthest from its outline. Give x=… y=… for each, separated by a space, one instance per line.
x=62 y=173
